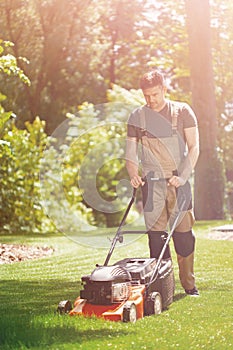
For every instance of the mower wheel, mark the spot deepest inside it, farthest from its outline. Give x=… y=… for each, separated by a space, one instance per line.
x=130 y=313
x=64 y=307
x=158 y=306
x=153 y=304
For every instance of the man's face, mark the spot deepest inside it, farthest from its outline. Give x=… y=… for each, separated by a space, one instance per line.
x=155 y=97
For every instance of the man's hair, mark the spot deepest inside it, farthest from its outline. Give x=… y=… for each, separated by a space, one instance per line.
x=151 y=79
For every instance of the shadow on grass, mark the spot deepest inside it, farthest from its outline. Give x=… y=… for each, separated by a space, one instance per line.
x=37 y=297
x=47 y=336
x=29 y=318
x=179 y=296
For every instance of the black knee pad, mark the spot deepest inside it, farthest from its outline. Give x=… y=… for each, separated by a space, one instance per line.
x=156 y=243
x=184 y=243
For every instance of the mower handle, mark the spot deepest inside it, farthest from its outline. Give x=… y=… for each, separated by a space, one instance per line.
x=118 y=235
x=159 y=260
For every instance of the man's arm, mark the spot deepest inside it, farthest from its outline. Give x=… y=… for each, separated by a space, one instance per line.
x=192 y=139
x=132 y=161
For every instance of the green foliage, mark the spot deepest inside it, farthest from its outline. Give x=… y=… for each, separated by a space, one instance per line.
x=73 y=58
x=21 y=151
x=93 y=153
x=20 y=154
x=225 y=152
x=9 y=65
x=4 y=119
x=78 y=49
x=95 y=158
x=76 y=58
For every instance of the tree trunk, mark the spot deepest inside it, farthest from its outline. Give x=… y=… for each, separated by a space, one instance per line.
x=209 y=182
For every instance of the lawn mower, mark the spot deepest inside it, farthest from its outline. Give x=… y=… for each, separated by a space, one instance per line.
x=130 y=288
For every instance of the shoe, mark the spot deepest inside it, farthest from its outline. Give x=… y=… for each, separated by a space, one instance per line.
x=192 y=292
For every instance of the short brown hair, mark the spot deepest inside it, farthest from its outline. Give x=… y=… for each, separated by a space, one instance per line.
x=152 y=78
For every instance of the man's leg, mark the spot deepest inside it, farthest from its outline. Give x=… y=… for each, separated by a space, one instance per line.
x=157 y=234
x=184 y=242
x=186 y=272
x=157 y=240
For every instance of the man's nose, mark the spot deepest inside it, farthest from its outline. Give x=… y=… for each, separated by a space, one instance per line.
x=151 y=98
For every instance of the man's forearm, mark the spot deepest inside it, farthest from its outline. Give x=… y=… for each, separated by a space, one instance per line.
x=135 y=178
x=132 y=168
x=188 y=164
x=132 y=157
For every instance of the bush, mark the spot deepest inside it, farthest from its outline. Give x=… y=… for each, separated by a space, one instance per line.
x=21 y=151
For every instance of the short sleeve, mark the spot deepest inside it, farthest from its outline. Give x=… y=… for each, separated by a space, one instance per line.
x=133 y=125
x=188 y=116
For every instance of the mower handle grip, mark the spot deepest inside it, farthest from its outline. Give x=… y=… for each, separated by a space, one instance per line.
x=144 y=179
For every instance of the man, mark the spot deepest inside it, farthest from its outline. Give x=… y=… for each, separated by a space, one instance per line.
x=168 y=136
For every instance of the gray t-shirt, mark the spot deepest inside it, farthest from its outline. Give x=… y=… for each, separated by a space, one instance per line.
x=160 y=124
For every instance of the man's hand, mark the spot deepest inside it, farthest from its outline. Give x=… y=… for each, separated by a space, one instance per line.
x=176 y=181
x=136 y=181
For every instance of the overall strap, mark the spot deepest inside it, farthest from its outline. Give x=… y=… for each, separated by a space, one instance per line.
x=174 y=115
x=142 y=121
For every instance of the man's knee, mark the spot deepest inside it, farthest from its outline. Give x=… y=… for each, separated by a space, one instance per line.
x=184 y=243
x=157 y=240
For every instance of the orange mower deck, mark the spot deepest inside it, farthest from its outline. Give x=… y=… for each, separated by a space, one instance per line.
x=114 y=312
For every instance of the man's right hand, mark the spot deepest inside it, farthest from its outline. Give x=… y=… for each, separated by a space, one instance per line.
x=136 y=181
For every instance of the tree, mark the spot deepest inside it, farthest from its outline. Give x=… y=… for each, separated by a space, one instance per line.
x=209 y=182
x=57 y=37
x=79 y=48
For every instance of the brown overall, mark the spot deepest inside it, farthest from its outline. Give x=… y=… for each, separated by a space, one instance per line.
x=162 y=157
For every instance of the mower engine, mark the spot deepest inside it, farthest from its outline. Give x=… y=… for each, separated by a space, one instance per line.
x=106 y=285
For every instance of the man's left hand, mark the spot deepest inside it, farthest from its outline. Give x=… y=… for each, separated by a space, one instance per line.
x=176 y=181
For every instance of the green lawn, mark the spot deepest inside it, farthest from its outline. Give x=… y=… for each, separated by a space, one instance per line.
x=30 y=292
